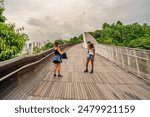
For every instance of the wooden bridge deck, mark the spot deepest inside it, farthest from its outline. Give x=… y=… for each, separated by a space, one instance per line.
x=107 y=82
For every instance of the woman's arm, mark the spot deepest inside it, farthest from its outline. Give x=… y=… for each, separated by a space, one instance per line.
x=94 y=51
x=88 y=51
x=60 y=52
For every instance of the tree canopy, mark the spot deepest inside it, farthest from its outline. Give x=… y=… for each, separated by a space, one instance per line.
x=11 y=40
x=2 y=17
x=73 y=40
x=49 y=45
x=133 y=35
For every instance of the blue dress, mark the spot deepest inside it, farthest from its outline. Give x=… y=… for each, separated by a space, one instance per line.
x=57 y=58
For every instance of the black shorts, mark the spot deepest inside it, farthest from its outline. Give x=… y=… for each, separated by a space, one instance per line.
x=57 y=62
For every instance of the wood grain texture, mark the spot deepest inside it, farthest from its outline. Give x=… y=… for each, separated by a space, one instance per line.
x=106 y=83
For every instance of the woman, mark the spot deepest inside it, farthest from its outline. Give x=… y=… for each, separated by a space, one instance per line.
x=57 y=59
x=91 y=55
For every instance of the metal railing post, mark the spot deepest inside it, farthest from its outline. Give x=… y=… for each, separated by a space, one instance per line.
x=129 y=64
x=126 y=58
x=122 y=61
x=116 y=55
x=148 y=61
x=137 y=64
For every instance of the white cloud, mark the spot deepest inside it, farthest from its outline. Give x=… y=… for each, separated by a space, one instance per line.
x=52 y=19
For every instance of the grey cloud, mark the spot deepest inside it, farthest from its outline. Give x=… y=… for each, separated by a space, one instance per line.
x=128 y=11
x=36 y=22
x=52 y=19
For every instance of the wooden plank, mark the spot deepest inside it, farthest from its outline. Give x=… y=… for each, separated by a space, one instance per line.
x=107 y=82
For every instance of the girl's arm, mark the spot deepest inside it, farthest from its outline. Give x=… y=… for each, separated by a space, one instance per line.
x=60 y=52
x=94 y=52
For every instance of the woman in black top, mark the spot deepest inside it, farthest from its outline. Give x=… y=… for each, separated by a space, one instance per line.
x=57 y=59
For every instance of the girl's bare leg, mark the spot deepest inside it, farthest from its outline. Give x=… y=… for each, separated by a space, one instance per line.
x=55 y=68
x=59 y=68
x=92 y=63
x=87 y=65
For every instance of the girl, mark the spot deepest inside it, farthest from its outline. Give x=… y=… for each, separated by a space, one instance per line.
x=91 y=55
x=57 y=59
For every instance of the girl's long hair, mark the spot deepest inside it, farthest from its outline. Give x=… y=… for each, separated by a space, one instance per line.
x=91 y=45
x=56 y=44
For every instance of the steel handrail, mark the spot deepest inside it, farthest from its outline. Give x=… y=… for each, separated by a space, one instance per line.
x=115 y=55
x=137 y=49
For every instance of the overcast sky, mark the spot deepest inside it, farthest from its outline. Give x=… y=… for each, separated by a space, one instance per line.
x=53 y=19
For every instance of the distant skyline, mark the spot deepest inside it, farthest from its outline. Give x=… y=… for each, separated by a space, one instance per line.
x=53 y=19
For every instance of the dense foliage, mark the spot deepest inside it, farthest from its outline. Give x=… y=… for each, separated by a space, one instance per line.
x=36 y=50
x=49 y=45
x=11 y=40
x=2 y=18
x=76 y=39
x=133 y=35
x=73 y=40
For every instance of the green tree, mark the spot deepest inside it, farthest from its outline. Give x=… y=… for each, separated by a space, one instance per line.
x=75 y=39
x=60 y=41
x=119 y=23
x=2 y=18
x=143 y=43
x=105 y=25
x=47 y=46
x=132 y=35
x=36 y=50
x=11 y=40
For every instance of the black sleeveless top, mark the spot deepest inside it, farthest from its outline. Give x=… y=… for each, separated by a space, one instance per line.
x=56 y=52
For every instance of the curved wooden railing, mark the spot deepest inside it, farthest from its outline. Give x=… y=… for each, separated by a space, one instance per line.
x=17 y=70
